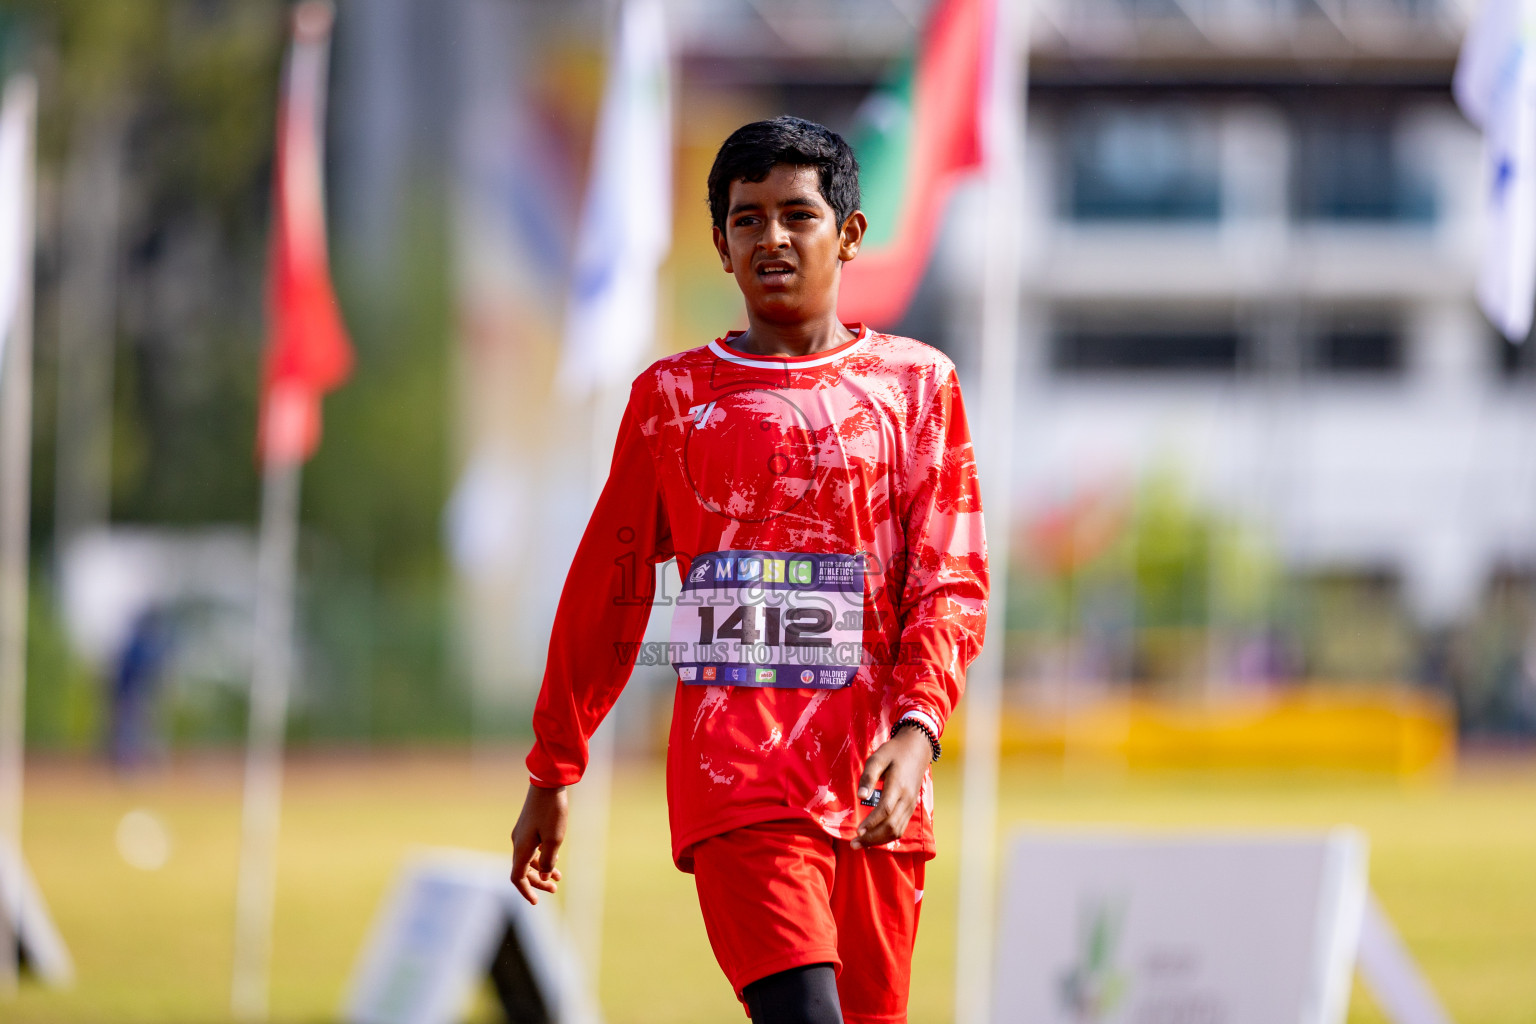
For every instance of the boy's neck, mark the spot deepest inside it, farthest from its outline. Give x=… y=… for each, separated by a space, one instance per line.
x=807 y=337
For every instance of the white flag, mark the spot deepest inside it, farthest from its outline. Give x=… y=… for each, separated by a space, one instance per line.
x=15 y=199
x=626 y=222
x=1495 y=86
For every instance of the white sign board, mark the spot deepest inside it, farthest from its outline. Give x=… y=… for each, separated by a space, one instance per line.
x=43 y=952
x=452 y=920
x=1117 y=928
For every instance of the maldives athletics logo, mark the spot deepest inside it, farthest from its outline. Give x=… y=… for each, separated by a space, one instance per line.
x=1095 y=987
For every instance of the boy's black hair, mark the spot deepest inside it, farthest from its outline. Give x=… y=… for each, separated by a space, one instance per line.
x=755 y=149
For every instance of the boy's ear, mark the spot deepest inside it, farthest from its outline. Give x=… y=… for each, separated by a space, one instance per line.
x=724 y=250
x=852 y=235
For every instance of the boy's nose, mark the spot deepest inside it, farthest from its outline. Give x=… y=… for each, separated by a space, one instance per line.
x=775 y=236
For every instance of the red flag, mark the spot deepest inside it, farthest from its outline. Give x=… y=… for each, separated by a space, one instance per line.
x=935 y=120
x=308 y=352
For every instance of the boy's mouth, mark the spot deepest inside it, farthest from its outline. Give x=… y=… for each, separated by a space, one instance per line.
x=774 y=271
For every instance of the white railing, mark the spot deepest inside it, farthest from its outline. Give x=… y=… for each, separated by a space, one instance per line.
x=1246 y=24
x=816 y=28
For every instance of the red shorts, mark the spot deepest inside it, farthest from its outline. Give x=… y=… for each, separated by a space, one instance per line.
x=785 y=894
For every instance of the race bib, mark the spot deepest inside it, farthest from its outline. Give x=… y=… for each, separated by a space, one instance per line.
x=770 y=618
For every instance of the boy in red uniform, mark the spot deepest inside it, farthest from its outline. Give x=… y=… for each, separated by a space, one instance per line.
x=815 y=482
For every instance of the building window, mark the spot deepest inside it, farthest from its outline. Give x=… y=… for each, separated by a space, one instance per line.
x=1201 y=340
x=1349 y=168
x=1419 y=10
x=1515 y=359
x=1371 y=10
x=1358 y=342
x=1142 y=342
x=1154 y=9
x=1154 y=162
x=1360 y=350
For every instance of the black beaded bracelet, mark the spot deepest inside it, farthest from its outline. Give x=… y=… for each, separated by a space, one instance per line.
x=919 y=724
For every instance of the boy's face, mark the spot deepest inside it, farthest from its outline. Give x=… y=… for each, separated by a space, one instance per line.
x=784 y=245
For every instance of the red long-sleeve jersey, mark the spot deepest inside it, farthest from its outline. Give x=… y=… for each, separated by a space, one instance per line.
x=826 y=520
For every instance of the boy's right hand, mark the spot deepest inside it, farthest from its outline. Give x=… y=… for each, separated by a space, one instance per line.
x=540 y=830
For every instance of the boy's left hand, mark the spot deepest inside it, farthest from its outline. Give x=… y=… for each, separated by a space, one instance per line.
x=901 y=761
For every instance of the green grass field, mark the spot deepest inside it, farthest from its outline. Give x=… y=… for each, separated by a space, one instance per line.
x=1453 y=860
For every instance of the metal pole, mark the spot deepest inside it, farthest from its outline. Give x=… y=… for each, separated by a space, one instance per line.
x=591 y=810
x=592 y=801
x=15 y=506
x=87 y=326
x=984 y=682
x=270 y=680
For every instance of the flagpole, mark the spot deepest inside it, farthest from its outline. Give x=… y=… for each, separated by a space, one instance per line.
x=290 y=428
x=607 y=332
x=15 y=506
x=270 y=682
x=592 y=803
x=984 y=682
x=87 y=321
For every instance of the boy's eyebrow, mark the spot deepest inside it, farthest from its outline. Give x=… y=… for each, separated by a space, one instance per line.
x=791 y=201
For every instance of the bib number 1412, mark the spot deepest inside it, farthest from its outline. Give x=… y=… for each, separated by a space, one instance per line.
x=757 y=624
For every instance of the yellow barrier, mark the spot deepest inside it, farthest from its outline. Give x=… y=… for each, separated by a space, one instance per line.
x=1379 y=729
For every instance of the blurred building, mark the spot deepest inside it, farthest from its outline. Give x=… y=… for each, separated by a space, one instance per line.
x=1252 y=231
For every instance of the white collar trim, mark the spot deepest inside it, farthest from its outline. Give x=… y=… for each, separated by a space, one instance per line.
x=797 y=364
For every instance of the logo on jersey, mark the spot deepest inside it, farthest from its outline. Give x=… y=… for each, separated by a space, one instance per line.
x=699 y=572
x=807 y=677
x=750 y=455
x=709 y=673
x=767 y=675
x=687 y=673
x=802 y=572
